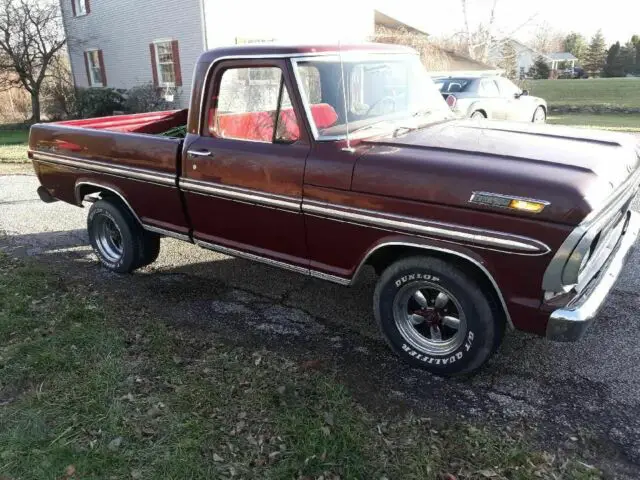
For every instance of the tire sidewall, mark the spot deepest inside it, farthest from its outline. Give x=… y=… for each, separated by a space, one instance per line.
x=130 y=247
x=480 y=329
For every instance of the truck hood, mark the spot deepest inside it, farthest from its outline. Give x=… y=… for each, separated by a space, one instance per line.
x=575 y=170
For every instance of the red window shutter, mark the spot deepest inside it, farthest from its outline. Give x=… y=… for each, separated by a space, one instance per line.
x=73 y=7
x=154 y=66
x=102 y=70
x=176 y=62
x=87 y=6
x=86 y=65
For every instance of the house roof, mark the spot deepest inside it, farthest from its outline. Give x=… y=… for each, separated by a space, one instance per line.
x=385 y=20
x=561 y=56
x=457 y=62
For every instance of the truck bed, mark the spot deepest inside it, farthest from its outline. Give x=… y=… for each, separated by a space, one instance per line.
x=153 y=122
x=122 y=153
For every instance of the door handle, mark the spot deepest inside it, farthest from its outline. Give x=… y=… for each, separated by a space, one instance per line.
x=199 y=153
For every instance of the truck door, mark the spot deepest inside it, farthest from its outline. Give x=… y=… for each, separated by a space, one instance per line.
x=242 y=176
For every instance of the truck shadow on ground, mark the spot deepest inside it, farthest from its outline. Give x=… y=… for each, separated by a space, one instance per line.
x=563 y=388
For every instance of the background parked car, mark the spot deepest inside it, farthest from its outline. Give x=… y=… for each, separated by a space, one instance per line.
x=492 y=97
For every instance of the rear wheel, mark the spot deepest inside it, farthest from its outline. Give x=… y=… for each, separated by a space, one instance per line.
x=150 y=249
x=435 y=316
x=540 y=115
x=478 y=115
x=116 y=236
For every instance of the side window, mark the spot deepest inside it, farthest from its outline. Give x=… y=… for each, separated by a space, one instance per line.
x=253 y=104
x=488 y=88
x=508 y=88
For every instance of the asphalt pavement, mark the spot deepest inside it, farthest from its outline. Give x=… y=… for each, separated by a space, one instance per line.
x=586 y=390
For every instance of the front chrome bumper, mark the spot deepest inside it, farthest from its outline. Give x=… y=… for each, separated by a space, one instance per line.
x=568 y=324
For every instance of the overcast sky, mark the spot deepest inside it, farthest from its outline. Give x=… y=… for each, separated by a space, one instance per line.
x=618 y=19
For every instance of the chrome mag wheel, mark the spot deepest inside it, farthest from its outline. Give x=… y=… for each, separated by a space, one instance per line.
x=429 y=318
x=108 y=238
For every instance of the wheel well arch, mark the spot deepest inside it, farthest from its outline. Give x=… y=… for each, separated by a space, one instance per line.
x=383 y=255
x=479 y=109
x=84 y=189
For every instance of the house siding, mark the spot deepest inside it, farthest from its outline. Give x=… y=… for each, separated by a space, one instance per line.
x=123 y=31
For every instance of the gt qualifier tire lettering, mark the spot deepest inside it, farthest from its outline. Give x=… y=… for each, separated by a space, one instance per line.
x=444 y=361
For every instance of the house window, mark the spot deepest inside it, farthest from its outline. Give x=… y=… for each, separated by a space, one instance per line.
x=95 y=68
x=165 y=63
x=80 y=7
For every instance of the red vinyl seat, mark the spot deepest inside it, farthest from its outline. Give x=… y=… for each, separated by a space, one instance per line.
x=258 y=126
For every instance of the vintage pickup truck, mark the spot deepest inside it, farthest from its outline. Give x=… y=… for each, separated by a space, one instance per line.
x=324 y=159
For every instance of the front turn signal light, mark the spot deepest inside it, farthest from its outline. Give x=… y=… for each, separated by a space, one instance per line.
x=526 y=206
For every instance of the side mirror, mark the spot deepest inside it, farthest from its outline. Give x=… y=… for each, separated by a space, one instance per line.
x=523 y=93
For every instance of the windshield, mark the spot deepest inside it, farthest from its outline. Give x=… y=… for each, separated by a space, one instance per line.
x=382 y=91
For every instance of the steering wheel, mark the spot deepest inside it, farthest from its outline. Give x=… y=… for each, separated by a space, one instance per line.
x=382 y=101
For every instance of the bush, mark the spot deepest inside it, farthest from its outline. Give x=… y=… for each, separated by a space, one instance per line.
x=59 y=100
x=58 y=93
x=98 y=102
x=145 y=98
x=540 y=69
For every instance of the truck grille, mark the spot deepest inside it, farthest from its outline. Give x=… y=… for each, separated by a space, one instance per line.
x=603 y=245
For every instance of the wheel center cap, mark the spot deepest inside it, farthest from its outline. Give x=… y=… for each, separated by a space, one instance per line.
x=431 y=316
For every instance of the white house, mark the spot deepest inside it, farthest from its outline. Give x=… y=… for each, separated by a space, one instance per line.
x=526 y=57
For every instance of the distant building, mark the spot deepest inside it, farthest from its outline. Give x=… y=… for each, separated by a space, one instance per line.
x=526 y=57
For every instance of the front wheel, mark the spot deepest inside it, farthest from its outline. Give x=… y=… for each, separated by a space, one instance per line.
x=478 y=116
x=436 y=316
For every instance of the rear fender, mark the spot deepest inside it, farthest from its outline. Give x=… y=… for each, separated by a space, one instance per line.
x=85 y=187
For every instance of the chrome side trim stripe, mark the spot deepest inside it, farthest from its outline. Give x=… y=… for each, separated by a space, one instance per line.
x=167 y=233
x=331 y=278
x=103 y=167
x=274 y=263
x=242 y=194
x=250 y=256
x=456 y=233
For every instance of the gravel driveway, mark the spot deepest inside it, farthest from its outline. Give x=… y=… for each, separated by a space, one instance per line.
x=588 y=390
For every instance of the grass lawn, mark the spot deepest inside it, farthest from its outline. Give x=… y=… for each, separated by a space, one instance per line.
x=89 y=390
x=586 y=92
x=617 y=122
x=13 y=145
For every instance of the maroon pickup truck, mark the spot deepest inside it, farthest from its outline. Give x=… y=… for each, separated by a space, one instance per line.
x=323 y=161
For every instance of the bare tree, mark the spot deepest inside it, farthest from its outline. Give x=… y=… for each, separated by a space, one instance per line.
x=547 y=39
x=478 y=42
x=480 y=37
x=30 y=36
